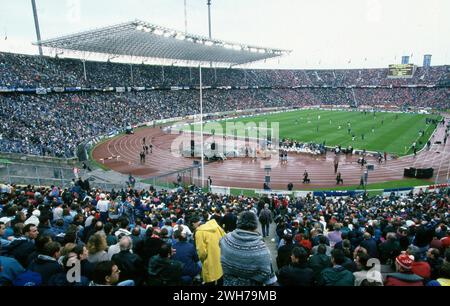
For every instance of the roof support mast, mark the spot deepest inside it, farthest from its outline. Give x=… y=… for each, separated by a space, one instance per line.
x=36 y=25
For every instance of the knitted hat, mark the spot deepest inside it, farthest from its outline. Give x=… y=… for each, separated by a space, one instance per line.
x=405 y=261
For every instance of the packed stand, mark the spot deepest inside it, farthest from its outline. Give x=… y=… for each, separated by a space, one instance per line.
x=19 y=70
x=188 y=237
x=54 y=124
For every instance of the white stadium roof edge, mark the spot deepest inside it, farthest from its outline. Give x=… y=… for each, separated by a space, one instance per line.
x=142 y=39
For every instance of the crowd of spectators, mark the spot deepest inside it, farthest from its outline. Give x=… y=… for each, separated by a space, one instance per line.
x=35 y=71
x=188 y=237
x=292 y=145
x=54 y=124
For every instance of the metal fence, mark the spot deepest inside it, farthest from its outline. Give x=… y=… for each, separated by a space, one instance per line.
x=33 y=174
x=47 y=175
x=181 y=177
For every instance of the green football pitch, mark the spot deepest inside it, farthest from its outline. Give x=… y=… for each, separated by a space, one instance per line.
x=380 y=131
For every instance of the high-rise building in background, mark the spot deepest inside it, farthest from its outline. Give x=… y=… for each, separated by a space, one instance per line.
x=405 y=59
x=427 y=60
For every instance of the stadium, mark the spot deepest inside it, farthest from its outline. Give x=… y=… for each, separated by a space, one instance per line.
x=135 y=154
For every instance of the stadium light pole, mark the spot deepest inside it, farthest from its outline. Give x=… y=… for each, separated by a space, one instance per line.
x=185 y=18
x=209 y=23
x=36 y=25
x=201 y=126
x=209 y=17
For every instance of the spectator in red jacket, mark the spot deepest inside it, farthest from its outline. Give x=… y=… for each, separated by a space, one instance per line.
x=419 y=267
x=446 y=240
x=404 y=275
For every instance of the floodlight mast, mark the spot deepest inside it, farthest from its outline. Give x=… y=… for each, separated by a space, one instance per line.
x=185 y=18
x=209 y=23
x=36 y=25
x=209 y=17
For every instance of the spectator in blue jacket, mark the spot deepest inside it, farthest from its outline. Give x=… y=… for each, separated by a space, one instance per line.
x=187 y=254
x=370 y=245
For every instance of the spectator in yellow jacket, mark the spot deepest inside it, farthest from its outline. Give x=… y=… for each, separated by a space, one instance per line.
x=207 y=237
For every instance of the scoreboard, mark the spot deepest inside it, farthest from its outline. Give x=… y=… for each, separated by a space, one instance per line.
x=401 y=71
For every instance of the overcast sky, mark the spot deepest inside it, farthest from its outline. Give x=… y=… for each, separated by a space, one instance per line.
x=321 y=33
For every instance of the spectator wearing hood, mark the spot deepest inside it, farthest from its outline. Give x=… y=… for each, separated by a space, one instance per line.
x=207 y=237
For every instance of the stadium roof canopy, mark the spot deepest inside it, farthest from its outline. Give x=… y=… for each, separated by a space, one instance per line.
x=142 y=39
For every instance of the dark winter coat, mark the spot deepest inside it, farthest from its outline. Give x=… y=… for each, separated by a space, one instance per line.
x=130 y=265
x=336 y=276
x=296 y=275
x=46 y=266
